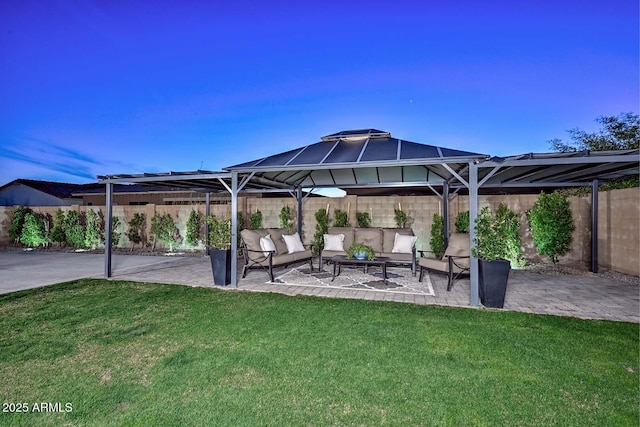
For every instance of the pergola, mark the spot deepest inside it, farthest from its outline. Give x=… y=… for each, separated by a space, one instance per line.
x=372 y=158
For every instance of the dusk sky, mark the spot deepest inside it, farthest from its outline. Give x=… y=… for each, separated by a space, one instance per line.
x=104 y=87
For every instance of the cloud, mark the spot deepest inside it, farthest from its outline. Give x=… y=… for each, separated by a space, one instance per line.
x=52 y=157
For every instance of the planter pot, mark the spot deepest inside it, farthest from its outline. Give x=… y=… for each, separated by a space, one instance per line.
x=221 y=266
x=361 y=255
x=493 y=282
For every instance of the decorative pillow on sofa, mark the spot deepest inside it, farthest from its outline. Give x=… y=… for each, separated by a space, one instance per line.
x=294 y=244
x=267 y=245
x=334 y=242
x=403 y=244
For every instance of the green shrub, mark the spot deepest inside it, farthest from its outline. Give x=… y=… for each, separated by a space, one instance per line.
x=437 y=236
x=93 y=233
x=17 y=222
x=219 y=232
x=322 y=228
x=34 y=230
x=342 y=219
x=135 y=234
x=285 y=218
x=115 y=231
x=363 y=219
x=57 y=232
x=164 y=229
x=551 y=223
x=73 y=230
x=508 y=224
x=401 y=218
x=192 y=237
x=462 y=222
x=256 y=220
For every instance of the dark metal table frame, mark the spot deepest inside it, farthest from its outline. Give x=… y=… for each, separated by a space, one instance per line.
x=339 y=260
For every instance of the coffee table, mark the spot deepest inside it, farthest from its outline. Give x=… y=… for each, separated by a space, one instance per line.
x=340 y=260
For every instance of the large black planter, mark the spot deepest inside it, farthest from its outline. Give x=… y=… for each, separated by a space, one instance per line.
x=221 y=266
x=493 y=282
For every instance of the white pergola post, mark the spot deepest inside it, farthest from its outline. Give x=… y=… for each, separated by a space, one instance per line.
x=234 y=229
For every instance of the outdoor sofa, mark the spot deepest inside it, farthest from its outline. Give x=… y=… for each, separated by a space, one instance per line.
x=400 y=250
x=272 y=247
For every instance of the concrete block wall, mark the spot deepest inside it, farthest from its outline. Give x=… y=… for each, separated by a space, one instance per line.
x=618 y=229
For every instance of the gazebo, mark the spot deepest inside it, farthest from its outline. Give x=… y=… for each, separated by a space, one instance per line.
x=372 y=158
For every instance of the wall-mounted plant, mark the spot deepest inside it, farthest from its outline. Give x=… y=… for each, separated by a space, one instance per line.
x=437 y=236
x=256 y=220
x=342 y=218
x=135 y=234
x=364 y=220
x=551 y=222
x=462 y=222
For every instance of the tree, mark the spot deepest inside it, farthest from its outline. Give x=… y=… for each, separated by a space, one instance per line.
x=17 y=222
x=57 y=232
x=34 y=230
x=93 y=234
x=193 y=229
x=551 y=223
x=617 y=133
x=164 y=228
x=135 y=234
x=437 y=236
x=73 y=230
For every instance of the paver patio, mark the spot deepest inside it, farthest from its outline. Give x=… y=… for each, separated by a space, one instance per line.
x=574 y=296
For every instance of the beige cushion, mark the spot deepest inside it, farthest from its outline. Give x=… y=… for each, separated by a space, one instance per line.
x=398 y=257
x=251 y=239
x=443 y=264
x=458 y=245
x=369 y=236
x=348 y=234
x=294 y=244
x=267 y=245
x=333 y=242
x=403 y=244
x=389 y=237
x=276 y=236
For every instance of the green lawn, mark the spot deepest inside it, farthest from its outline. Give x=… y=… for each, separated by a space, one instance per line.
x=123 y=353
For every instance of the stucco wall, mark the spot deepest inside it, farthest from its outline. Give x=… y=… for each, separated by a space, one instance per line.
x=618 y=228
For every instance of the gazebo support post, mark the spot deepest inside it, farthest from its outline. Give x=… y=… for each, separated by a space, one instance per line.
x=474 y=297
x=234 y=229
x=594 y=226
x=207 y=213
x=108 y=228
x=299 y=212
x=445 y=211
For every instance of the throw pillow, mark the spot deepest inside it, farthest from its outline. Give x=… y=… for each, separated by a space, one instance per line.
x=294 y=244
x=334 y=242
x=267 y=245
x=403 y=244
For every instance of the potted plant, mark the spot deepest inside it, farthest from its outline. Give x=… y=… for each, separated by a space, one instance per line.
x=220 y=249
x=361 y=251
x=489 y=248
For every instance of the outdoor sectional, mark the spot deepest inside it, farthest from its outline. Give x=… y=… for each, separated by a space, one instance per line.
x=380 y=239
x=257 y=256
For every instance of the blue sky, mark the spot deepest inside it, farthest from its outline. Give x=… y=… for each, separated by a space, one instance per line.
x=101 y=87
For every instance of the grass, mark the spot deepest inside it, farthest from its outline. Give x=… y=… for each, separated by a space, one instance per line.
x=124 y=353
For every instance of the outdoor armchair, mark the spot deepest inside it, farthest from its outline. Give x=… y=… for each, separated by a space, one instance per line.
x=454 y=262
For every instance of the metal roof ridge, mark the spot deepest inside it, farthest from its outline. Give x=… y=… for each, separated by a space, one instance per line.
x=296 y=155
x=329 y=153
x=364 y=147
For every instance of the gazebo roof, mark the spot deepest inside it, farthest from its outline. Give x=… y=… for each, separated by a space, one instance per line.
x=364 y=157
